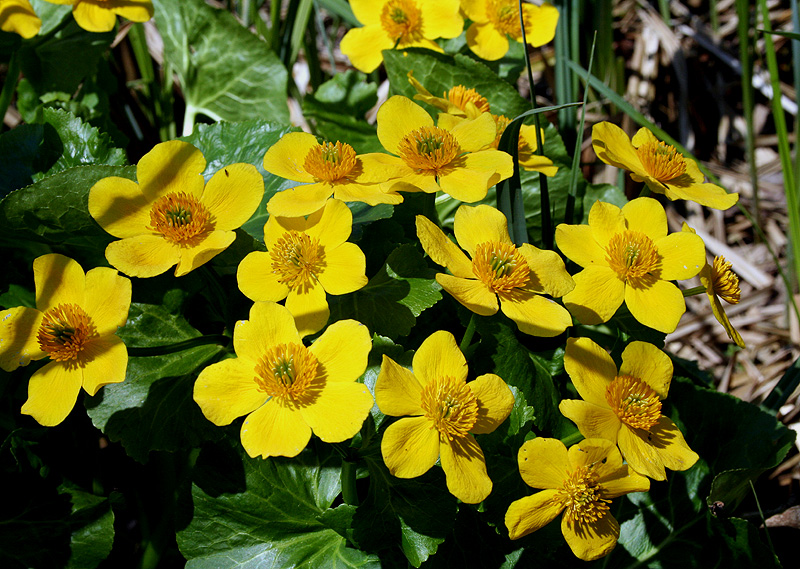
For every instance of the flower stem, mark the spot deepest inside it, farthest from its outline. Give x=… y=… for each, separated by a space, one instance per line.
x=468 y=334
x=219 y=339
x=349 y=491
x=694 y=291
x=10 y=85
x=645 y=192
x=573 y=438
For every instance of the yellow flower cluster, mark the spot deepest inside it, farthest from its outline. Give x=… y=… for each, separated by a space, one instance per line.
x=17 y=16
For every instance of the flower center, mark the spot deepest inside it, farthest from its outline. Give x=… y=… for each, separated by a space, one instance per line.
x=429 y=149
x=582 y=496
x=65 y=332
x=500 y=266
x=725 y=281
x=632 y=255
x=297 y=259
x=288 y=371
x=634 y=402
x=451 y=405
x=330 y=162
x=460 y=96
x=504 y=16
x=401 y=19
x=661 y=161
x=180 y=218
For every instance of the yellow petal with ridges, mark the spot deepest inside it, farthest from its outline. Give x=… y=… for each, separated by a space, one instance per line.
x=300 y=201
x=338 y=412
x=540 y=23
x=441 y=250
x=707 y=194
x=649 y=453
x=276 y=226
x=486 y=42
x=397 y=390
x=286 y=158
x=58 y=280
x=193 y=257
x=372 y=194
x=597 y=295
x=592 y=421
x=495 y=402
x=173 y=166
x=309 y=308
x=659 y=306
x=439 y=356
x=93 y=17
x=106 y=362
x=440 y=19
x=526 y=515
x=613 y=147
x=472 y=135
x=18 y=341
x=590 y=540
x=623 y=482
x=410 y=447
x=377 y=167
x=472 y=293
x=646 y=362
x=332 y=225
x=342 y=350
x=397 y=117
x=142 y=256
x=232 y=195
x=536 y=315
x=119 y=207
x=274 y=430
x=590 y=368
x=543 y=463
x=108 y=299
x=605 y=220
x=577 y=242
x=344 y=271
x=269 y=324
x=227 y=390
x=364 y=46
x=256 y=279
x=548 y=273
x=52 y=393
x=466 y=184
x=683 y=255
x=133 y=10
x=647 y=216
x=465 y=469
x=480 y=224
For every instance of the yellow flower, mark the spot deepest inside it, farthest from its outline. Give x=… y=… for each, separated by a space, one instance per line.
x=74 y=324
x=625 y=407
x=101 y=15
x=659 y=165
x=459 y=101
x=398 y=24
x=721 y=282
x=493 y=20
x=18 y=17
x=445 y=411
x=169 y=217
x=327 y=168
x=305 y=259
x=517 y=276
x=288 y=390
x=434 y=158
x=581 y=482
x=627 y=256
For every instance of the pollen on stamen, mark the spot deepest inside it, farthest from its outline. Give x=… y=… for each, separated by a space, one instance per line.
x=180 y=218
x=633 y=256
x=460 y=96
x=501 y=267
x=287 y=372
x=725 y=281
x=634 y=402
x=428 y=149
x=297 y=259
x=331 y=162
x=661 y=161
x=451 y=405
x=402 y=20
x=582 y=496
x=65 y=332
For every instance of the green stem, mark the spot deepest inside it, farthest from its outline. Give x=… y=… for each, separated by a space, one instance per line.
x=10 y=85
x=645 y=192
x=469 y=333
x=763 y=520
x=218 y=339
x=349 y=491
x=694 y=291
x=570 y=440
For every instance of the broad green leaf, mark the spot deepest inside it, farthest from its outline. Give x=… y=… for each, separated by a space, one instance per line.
x=273 y=515
x=226 y=72
x=393 y=298
x=17 y=296
x=153 y=408
x=92 y=525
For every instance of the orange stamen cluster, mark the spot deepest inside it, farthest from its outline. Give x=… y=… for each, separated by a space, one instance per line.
x=460 y=96
x=180 y=218
x=633 y=256
x=581 y=496
x=504 y=16
x=297 y=259
x=402 y=20
x=634 y=402
x=661 y=161
x=501 y=267
x=65 y=332
x=451 y=405
x=725 y=281
x=288 y=371
x=331 y=162
x=428 y=149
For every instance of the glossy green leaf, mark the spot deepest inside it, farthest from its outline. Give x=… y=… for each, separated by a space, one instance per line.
x=92 y=527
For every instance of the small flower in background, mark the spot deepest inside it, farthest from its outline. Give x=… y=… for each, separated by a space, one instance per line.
x=458 y=101
x=494 y=20
x=328 y=169
x=660 y=166
x=625 y=407
x=516 y=276
x=74 y=324
x=101 y=15
x=628 y=257
x=288 y=390
x=721 y=282
x=445 y=411
x=581 y=482
x=18 y=17
x=171 y=217
x=435 y=158
x=398 y=24
x=306 y=260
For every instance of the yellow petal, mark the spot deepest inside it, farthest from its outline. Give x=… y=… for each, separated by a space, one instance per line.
x=495 y=402
x=646 y=362
x=410 y=447
x=52 y=393
x=548 y=273
x=286 y=157
x=397 y=117
x=213 y=244
x=480 y=224
x=372 y=194
x=397 y=391
x=540 y=23
x=17 y=16
x=364 y=46
x=597 y=295
x=269 y=324
x=531 y=513
x=472 y=293
x=475 y=10
x=133 y=10
x=302 y=200
x=142 y=256
x=309 y=308
x=233 y=194
x=106 y=362
x=659 y=306
x=332 y=224
x=367 y=11
x=592 y=421
x=624 y=481
x=277 y=226
x=439 y=356
x=173 y=166
x=682 y=255
x=256 y=279
x=494 y=162
x=577 y=243
x=441 y=19
x=590 y=540
x=472 y=135
x=706 y=194
x=342 y=350
x=590 y=368
x=338 y=412
x=345 y=269
x=18 y=343
x=227 y=390
x=465 y=469
x=605 y=220
x=378 y=167
x=108 y=298
x=536 y=315
x=466 y=184
x=58 y=280
x=93 y=18
x=274 y=430
x=647 y=216
x=613 y=147
x=119 y=207
x=486 y=42
x=649 y=453
x=543 y=463
x=441 y=250
x=719 y=313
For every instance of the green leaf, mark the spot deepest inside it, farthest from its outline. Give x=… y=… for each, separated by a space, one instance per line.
x=274 y=516
x=393 y=298
x=17 y=296
x=153 y=408
x=92 y=526
x=226 y=72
